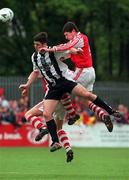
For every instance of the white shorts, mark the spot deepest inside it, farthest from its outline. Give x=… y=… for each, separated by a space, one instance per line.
x=84 y=76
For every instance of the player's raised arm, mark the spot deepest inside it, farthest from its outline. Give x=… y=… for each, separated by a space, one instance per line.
x=66 y=46
x=25 y=87
x=63 y=55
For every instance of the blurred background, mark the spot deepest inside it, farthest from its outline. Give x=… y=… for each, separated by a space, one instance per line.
x=106 y=24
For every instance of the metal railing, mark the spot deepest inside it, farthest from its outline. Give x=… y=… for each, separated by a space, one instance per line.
x=113 y=92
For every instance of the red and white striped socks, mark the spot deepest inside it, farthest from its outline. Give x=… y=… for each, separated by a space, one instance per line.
x=62 y=135
x=36 y=122
x=97 y=110
x=67 y=103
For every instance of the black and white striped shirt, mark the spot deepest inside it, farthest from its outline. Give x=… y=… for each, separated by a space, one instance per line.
x=53 y=70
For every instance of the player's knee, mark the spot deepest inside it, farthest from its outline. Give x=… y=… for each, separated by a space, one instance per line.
x=88 y=95
x=28 y=116
x=47 y=116
x=85 y=94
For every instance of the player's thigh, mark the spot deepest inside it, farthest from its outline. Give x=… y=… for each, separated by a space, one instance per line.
x=49 y=106
x=81 y=91
x=35 y=110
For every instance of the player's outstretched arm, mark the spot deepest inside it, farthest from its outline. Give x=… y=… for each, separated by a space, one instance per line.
x=25 y=87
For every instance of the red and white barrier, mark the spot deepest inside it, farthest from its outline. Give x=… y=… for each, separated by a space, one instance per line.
x=24 y=136
x=95 y=135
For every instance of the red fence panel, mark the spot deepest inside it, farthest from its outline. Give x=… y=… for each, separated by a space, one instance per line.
x=24 y=136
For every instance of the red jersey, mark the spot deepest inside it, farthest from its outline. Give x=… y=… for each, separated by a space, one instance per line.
x=83 y=60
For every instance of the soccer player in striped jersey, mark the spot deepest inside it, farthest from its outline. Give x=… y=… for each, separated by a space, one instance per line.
x=33 y=115
x=59 y=82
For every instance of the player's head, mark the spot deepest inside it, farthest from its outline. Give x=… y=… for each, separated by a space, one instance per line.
x=40 y=40
x=69 y=30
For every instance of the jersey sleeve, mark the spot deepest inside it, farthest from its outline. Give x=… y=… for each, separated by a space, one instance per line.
x=62 y=55
x=35 y=67
x=68 y=45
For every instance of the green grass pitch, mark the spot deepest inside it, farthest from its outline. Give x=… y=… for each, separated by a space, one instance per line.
x=40 y=164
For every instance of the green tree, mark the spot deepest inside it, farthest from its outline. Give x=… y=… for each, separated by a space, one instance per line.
x=104 y=21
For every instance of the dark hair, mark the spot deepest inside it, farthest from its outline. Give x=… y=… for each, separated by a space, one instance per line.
x=69 y=26
x=41 y=37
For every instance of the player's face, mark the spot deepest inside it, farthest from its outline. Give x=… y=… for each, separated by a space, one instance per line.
x=69 y=35
x=37 y=45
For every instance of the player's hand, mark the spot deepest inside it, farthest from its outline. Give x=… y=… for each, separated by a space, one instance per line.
x=76 y=50
x=24 y=90
x=44 y=49
x=79 y=50
x=41 y=50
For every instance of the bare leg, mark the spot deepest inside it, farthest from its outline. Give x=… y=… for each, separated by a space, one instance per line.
x=33 y=116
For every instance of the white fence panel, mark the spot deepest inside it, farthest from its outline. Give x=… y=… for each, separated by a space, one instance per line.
x=97 y=135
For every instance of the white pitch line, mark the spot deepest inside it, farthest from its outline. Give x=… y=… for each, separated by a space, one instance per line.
x=11 y=172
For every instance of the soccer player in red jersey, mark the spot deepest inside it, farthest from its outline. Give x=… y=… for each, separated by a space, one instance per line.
x=84 y=71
